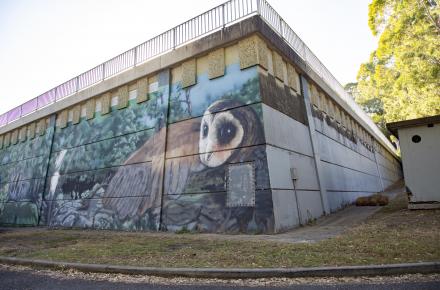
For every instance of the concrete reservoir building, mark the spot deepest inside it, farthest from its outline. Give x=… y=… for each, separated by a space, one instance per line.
x=225 y=123
x=420 y=148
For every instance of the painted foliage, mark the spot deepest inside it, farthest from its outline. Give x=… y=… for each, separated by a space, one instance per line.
x=164 y=162
x=101 y=170
x=22 y=173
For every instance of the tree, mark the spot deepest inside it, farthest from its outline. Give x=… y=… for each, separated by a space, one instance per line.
x=402 y=78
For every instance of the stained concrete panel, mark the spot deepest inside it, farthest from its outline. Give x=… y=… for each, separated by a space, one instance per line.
x=334 y=152
x=323 y=127
x=310 y=205
x=283 y=131
x=285 y=209
x=384 y=161
x=216 y=66
x=189 y=73
x=305 y=171
x=328 y=130
x=344 y=179
x=279 y=168
x=318 y=125
x=388 y=174
x=282 y=98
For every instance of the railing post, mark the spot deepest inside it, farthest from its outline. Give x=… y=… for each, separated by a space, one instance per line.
x=281 y=26
x=174 y=38
x=223 y=15
x=135 y=56
x=258 y=7
x=103 y=71
x=77 y=84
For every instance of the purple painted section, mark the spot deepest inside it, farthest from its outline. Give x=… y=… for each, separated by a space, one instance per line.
x=3 y=119
x=29 y=106
x=46 y=98
x=14 y=114
x=193 y=28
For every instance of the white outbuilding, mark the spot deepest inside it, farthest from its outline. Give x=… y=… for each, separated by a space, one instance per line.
x=420 y=150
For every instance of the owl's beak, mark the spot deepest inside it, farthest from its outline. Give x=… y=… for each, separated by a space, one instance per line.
x=208 y=156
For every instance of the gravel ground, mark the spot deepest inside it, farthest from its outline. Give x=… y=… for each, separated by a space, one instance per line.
x=275 y=282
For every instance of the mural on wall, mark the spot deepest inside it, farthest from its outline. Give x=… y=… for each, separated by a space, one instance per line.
x=236 y=84
x=22 y=173
x=108 y=172
x=105 y=172
x=195 y=184
x=214 y=124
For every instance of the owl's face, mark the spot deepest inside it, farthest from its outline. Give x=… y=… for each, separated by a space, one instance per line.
x=219 y=132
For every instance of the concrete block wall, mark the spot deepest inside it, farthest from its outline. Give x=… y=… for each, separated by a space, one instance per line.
x=390 y=169
x=228 y=140
x=182 y=148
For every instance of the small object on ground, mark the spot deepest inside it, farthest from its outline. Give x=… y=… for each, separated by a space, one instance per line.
x=373 y=200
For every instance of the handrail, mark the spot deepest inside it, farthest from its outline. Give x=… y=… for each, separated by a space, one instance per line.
x=205 y=23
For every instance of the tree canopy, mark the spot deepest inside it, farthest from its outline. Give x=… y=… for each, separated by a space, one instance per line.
x=402 y=78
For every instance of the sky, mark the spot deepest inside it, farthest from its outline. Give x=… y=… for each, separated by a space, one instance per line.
x=47 y=42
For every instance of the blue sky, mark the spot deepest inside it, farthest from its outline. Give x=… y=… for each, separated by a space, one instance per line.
x=44 y=43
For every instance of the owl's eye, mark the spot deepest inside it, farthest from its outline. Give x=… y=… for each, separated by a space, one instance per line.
x=226 y=133
x=205 y=130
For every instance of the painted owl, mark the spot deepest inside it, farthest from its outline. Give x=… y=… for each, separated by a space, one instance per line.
x=221 y=136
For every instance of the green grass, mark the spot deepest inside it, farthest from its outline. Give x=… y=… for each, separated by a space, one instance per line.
x=393 y=235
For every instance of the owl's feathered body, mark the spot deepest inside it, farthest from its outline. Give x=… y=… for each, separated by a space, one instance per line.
x=218 y=135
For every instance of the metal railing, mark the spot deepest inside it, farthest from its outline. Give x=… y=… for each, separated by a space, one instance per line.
x=196 y=27
x=208 y=22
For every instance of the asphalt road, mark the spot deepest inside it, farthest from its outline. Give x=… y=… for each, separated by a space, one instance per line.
x=26 y=280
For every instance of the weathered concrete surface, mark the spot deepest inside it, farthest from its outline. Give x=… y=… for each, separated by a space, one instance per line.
x=325 y=227
x=292 y=148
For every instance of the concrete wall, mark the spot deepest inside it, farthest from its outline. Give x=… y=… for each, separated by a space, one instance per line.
x=320 y=159
x=96 y=178
x=230 y=140
x=183 y=148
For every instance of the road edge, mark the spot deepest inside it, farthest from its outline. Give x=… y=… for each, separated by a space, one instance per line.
x=235 y=273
